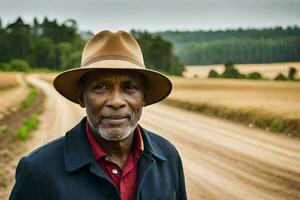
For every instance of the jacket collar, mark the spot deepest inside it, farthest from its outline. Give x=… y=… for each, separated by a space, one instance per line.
x=77 y=148
x=151 y=148
x=78 y=152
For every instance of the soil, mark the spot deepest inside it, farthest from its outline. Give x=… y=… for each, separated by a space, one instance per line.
x=222 y=160
x=10 y=147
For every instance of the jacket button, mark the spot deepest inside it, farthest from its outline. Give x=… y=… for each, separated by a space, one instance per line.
x=114 y=171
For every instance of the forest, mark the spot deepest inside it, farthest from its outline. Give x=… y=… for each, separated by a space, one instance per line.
x=266 y=45
x=52 y=45
x=58 y=46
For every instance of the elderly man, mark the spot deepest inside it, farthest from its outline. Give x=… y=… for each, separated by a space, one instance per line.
x=107 y=155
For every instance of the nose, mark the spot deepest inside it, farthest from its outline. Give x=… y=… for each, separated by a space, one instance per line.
x=116 y=100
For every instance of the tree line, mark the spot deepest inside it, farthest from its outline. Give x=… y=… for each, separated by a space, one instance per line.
x=230 y=71
x=241 y=46
x=48 y=44
x=58 y=46
x=45 y=44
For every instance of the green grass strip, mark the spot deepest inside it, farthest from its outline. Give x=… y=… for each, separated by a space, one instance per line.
x=4 y=129
x=29 y=124
x=30 y=98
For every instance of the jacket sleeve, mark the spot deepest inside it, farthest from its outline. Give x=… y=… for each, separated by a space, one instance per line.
x=27 y=186
x=181 y=182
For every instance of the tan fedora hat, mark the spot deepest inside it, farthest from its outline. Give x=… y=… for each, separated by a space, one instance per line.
x=112 y=51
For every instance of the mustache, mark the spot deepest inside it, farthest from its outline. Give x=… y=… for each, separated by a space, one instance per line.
x=115 y=115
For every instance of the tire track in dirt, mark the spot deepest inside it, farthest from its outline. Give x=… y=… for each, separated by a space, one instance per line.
x=59 y=116
x=229 y=157
x=221 y=160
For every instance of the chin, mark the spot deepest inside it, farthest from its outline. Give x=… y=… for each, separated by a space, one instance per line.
x=115 y=134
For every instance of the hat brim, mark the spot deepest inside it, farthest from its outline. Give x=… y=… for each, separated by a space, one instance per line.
x=158 y=85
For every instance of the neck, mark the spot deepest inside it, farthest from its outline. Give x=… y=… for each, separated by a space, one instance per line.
x=117 y=151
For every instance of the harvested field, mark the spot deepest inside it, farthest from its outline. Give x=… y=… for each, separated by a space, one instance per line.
x=8 y=80
x=10 y=99
x=222 y=160
x=10 y=147
x=251 y=102
x=270 y=70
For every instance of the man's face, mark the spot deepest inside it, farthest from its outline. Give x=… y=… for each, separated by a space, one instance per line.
x=114 y=102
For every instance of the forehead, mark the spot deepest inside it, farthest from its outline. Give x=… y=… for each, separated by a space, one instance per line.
x=113 y=76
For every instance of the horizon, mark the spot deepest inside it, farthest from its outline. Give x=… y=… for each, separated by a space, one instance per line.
x=154 y=16
x=40 y=20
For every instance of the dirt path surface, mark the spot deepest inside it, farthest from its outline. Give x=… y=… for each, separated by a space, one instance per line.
x=226 y=161
x=59 y=116
x=221 y=160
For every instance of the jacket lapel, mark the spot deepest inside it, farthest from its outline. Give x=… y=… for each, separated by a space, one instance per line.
x=150 y=155
x=78 y=154
x=77 y=149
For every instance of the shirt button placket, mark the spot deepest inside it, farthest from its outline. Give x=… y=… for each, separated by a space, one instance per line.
x=114 y=171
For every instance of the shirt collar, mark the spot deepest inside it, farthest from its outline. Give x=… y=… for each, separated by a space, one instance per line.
x=138 y=144
x=78 y=152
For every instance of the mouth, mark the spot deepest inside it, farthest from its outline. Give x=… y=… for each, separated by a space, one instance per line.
x=114 y=119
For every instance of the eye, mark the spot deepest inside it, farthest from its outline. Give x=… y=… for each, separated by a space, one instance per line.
x=131 y=88
x=99 y=88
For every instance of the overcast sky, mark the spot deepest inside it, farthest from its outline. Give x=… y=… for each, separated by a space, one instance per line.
x=155 y=15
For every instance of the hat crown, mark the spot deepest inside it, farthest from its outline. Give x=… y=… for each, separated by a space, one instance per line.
x=107 y=45
x=115 y=52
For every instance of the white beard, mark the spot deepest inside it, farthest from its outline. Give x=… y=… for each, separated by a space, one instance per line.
x=111 y=135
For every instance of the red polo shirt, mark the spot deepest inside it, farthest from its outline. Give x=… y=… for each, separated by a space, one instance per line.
x=126 y=179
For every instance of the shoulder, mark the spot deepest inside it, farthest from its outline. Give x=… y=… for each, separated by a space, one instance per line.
x=161 y=141
x=159 y=144
x=36 y=166
x=50 y=154
x=48 y=149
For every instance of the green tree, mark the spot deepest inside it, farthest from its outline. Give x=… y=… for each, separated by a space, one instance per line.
x=242 y=45
x=19 y=65
x=280 y=77
x=39 y=43
x=292 y=73
x=229 y=64
x=213 y=74
x=4 y=46
x=44 y=53
x=231 y=72
x=158 y=53
x=19 y=43
x=5 y=67
x=255 y=76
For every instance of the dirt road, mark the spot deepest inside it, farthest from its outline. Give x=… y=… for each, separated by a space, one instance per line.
x=221 y=160
x=227 y=161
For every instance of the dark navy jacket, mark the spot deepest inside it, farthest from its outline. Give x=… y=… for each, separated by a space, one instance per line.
x=66 y=169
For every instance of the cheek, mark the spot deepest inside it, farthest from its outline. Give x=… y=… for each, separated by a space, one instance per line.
x=137 y=107
x=93 y=104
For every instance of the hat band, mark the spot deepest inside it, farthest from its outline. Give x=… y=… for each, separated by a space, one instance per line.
x=111 y=57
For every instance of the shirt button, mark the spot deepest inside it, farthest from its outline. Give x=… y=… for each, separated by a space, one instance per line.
x=114 y=171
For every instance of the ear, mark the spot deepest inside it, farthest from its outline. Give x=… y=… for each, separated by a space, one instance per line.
x=81 y=97
x=81 y=101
